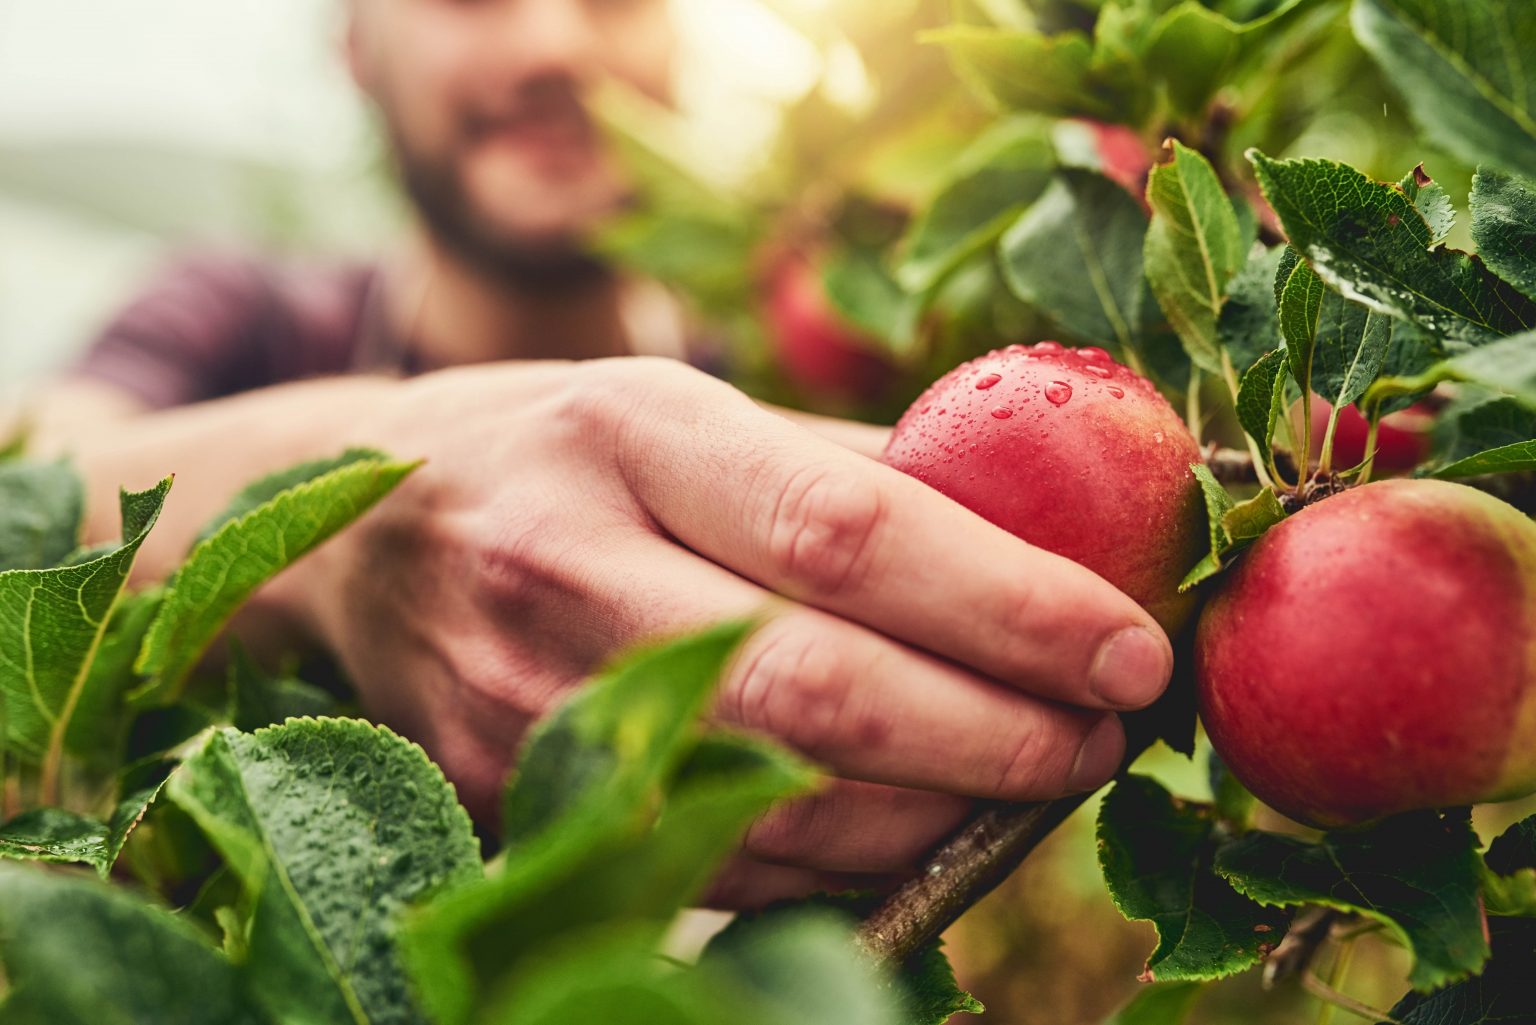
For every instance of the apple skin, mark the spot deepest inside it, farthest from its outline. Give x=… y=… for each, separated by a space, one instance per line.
x=819 y=352
x=1402 y=439
x=1376 y=653
x=1072 y=452
x=1123 y=156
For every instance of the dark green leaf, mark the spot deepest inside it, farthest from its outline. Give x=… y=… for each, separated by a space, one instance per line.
x=1193 y=248
x=1432 y=202
x=1234 y=804
x=83 y=953
x=334 y=827
x=55 y=835
x=1366 y=240
x=1161 y=1003
x=1076 y=256
x=258 y=700
x=41 y=506
x=1218 y=502
x=993 y=182
x=1504 y=226
x=227 y=568
x=1249 y=323
x=51 y=624
x=1301 y=307
x=1261 y=399
x=1510 y=885
x=1351 y=349
x=1156 y=852
x=1508 y=365
x=1503 y=995
x=1463 y=70
x=1418 y=874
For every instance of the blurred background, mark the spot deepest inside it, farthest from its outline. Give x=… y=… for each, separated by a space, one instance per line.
x=821 y=128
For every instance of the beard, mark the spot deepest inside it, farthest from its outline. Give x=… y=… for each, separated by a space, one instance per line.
x=514 y=261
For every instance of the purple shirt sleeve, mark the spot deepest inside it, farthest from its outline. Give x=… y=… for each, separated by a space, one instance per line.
x=216 y=324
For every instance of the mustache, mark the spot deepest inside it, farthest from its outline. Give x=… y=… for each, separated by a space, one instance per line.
x=551 y=99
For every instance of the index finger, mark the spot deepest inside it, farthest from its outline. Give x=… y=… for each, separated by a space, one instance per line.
x=817 y=523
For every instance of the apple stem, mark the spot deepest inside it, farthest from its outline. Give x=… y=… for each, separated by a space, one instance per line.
x=1192 y=405
x=1229 y=375
x=1325 y=463
x=1326 y=993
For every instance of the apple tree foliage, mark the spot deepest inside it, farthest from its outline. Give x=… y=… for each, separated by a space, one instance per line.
x=1162 y=178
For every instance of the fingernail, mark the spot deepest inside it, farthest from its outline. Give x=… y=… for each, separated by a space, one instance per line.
x=1131 y=669
x=1099 y=758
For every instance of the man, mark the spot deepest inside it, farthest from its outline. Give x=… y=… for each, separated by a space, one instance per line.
x=570 y=509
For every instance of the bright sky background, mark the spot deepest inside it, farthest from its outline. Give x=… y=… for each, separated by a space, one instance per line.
x=200 y=83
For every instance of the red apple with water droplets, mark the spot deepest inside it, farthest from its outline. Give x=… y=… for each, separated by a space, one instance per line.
x=1375 y=653
x=1072 y=452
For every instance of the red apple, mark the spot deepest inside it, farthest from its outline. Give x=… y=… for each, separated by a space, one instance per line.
x=1123 y=156
x=1376 y=653
x=818 y=350
x=1072 y=452
x=1402 y=439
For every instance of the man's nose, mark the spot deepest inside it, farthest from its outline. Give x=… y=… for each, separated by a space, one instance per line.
x=552 y=37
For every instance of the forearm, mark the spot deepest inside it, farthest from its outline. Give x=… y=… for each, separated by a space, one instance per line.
x=214 y=449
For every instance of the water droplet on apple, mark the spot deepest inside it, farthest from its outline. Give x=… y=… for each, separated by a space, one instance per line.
x=1157 y=436
x=1058 y=393
x=1049 y=347
x=1098 y=371
x=988 y=381
x=1002 y=412
x=1093 y=353
x=1118 y=393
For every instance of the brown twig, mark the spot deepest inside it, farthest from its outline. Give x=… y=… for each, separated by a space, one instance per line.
x=1295 y=954
x=964 y=870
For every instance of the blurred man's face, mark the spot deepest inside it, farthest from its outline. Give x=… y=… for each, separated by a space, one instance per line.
x=484 y=101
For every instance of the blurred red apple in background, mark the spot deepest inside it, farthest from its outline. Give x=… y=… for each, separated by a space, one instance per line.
x=1402 y=440
x=818 y=350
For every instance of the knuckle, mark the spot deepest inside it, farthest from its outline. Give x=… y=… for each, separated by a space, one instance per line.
x=824 y=529
x=792 y=685
x=1041 y=760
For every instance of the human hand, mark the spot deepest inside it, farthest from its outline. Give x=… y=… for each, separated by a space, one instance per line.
x=924 y=657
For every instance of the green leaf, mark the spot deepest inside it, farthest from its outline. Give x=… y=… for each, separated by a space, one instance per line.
x=82 y=953
x=466 y=950
x=1509 y=885
x=1233 y=525
x=1300 y=300
x=1432 y=202
x=1076 y=256
x=1261 y=399
x=924 y=987
x=227 y=568
x=100 y=724
x=56 y=836
x=41 y=506
x=1504 y=226
x=607 y=750
x=1508 y=365
x=51 y=625
x=859 y=287
x=1247 y=521
x=1193 y=248
x=1515 y=458
x=991 y=183
x=1366 y=240
x=1234 y=804
x=1249 y=324
x=1502 y=995
x=259 y=492
x=1418 y=874
x=1156 y=852
x=1350 y=350
x=1462 y=69
x=1202 y=45
x=1162 y=1003
x=257 y=699
x=1024 y=70
x=334 y=827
